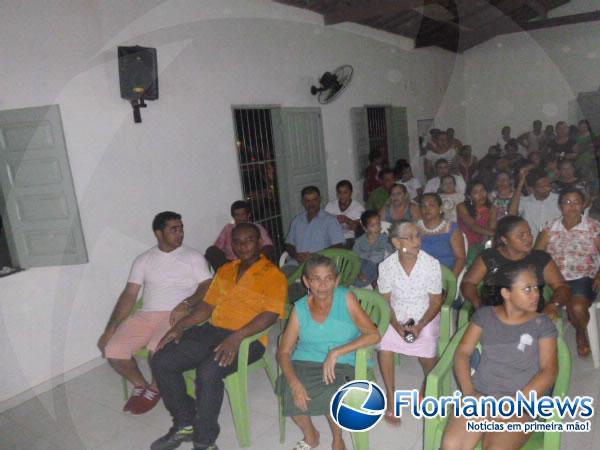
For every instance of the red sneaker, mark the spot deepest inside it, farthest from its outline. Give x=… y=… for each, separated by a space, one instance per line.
x=136 y=393
x=146 y=402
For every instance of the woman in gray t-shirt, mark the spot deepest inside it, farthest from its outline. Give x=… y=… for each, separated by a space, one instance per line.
x=519 y=353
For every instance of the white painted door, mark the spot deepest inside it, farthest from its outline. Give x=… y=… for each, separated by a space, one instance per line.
x=39 y=207
x=300 y=155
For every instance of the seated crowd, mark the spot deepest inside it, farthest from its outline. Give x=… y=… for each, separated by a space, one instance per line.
x=506 y=225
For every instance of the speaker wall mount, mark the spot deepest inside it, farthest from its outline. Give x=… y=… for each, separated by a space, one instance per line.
x=138 y=77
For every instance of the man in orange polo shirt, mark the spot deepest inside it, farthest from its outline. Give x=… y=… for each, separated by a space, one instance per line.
x=247 y=296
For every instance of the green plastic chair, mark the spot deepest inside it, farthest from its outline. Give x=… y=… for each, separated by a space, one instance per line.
x=439 y=383
x=346 y=261
x=379 y=311
x=348 y=266
x=446 y=326
x=236 y=386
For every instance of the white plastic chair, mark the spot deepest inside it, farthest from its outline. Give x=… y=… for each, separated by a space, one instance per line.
x=283 y=258
x=385 y=226
x=592 y=330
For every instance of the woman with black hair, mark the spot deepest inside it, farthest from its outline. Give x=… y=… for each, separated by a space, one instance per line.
x=513 y=242
x=476 y=218
x=573 y=240
x=519 y=353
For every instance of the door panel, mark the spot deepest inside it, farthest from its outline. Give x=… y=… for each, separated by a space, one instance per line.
x=40 y=209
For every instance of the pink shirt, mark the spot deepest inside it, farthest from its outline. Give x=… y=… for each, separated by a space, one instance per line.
x=575 y=250
x=224 y=240
x=482 y=219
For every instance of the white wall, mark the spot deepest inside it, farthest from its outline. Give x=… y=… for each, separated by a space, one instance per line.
x=517 y=78
x=211 y=54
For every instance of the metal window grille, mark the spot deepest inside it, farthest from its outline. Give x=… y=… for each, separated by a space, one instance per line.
x=258 y=170
x=377 y=129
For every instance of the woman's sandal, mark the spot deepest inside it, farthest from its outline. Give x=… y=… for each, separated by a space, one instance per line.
x=302 y=445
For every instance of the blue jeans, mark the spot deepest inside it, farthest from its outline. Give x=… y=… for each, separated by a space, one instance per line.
x=370 y=270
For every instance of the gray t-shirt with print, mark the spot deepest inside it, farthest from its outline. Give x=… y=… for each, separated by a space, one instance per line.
x=510 y=355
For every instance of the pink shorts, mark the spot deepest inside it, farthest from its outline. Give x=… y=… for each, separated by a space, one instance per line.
x=425 y=346
x=143 y=329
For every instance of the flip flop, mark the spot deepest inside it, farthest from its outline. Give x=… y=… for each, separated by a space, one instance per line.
x=302 y=445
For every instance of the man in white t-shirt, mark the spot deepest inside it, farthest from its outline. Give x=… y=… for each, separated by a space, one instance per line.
x=442 y=169
x=346 y=210
x=541 y=206
x=175 y=278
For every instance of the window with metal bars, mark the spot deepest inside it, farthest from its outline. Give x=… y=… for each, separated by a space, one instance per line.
x=377 y=129
x=258 y=170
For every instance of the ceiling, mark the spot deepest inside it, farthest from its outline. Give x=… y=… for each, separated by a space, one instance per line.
x=454 y=25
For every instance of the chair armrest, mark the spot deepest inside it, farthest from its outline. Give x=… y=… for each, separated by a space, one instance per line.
x=361 y=366
x=245 y=347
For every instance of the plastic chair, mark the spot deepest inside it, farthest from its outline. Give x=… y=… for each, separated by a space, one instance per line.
x=449 y=286
x=439 y=382
x=385 y=227
x=283 y=258
x=236 y=386
x=346 y=261
x=379 y=311
x=592 y=330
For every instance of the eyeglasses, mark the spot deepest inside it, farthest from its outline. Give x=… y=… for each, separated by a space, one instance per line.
x=530 y=289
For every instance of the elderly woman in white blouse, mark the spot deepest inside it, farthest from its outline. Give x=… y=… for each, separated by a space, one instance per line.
x=411 y=281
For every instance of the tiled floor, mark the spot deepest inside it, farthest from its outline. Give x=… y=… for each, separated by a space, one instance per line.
x=85 y=413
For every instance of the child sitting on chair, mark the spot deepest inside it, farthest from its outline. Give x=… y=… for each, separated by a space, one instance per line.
x=518 y=353
x=372 y=247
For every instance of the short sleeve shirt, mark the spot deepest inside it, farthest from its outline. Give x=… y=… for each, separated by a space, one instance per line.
x=321 y=232
x=412 y=187
x=168 y=277
x=410 y=293
x=224 y=240
x=539 y=212
x=375 y=252
x=575 y=250
x=510 y=355
x=433 y=185
x=353 y=211
x=262 y=288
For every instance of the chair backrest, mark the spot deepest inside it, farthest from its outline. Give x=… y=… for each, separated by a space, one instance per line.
x=375 y=306
x=449 y=285
x=385 y=226
x=347 y=263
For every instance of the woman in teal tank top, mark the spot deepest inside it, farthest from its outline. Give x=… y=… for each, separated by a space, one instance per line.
x=318 y=348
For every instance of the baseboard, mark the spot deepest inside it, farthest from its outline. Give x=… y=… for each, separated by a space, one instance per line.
x=50 y=384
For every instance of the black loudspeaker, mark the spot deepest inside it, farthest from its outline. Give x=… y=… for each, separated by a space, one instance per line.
x=138 y=73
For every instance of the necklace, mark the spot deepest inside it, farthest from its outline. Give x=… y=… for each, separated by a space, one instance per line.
x=435 y=230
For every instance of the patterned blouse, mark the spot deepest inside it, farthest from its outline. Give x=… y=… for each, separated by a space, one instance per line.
x=575 y=250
